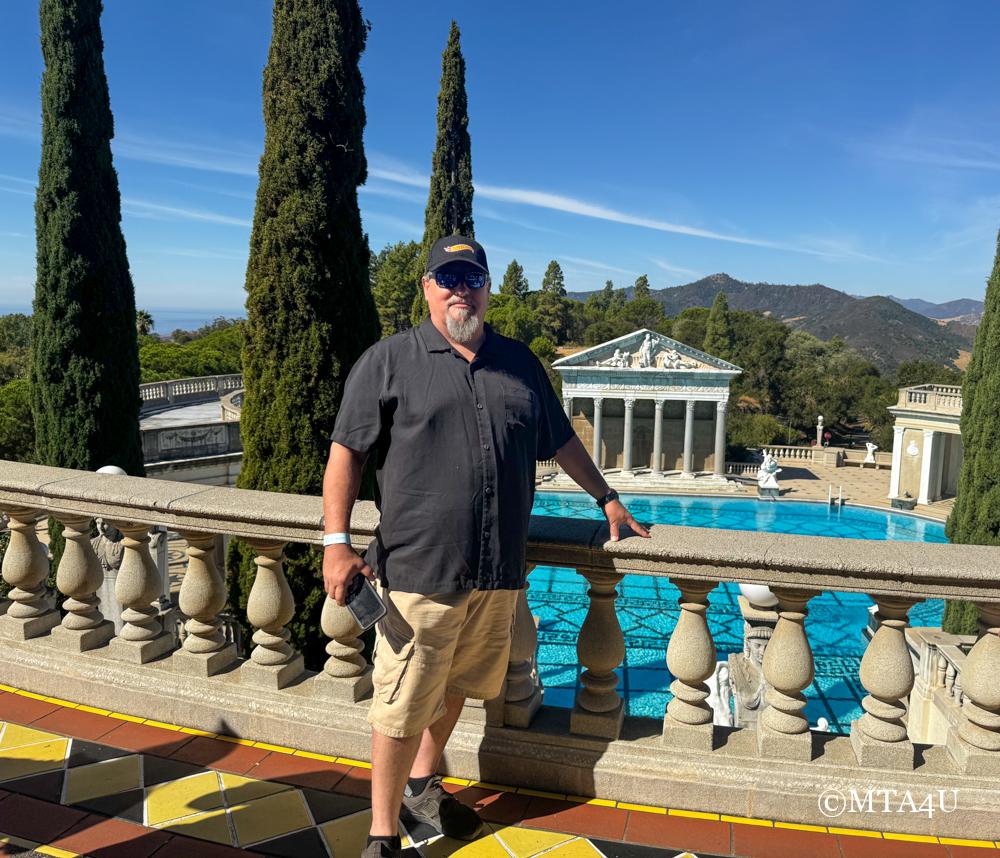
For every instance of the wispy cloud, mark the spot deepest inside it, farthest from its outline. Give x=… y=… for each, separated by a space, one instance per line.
x=406 y=227
x=502 y=217
x=18 y=179
x=144 y=208
x=673 y=269
x=944 y=153
x=392 y=193
x=600 y=266
x=393 y=171
x=192 y=156
x=195 y=253
x=13 y=235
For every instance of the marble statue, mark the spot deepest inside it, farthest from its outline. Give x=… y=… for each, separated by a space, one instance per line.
x=646 y=352
x=870 y=458
x=720 y=692
x=767 y=480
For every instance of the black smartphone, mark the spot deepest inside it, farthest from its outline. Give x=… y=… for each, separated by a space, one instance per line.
x=363 y=602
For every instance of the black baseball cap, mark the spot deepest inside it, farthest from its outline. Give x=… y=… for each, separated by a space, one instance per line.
x=457 y=248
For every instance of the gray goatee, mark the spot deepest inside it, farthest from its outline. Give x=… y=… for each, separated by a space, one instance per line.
x=463 y=330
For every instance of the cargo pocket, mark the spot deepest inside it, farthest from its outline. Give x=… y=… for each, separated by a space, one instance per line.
x=390 y=671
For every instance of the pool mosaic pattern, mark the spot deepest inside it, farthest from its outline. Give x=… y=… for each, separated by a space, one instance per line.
x=647 y=607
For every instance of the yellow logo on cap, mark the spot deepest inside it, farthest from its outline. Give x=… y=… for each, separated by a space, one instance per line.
x=455 y=248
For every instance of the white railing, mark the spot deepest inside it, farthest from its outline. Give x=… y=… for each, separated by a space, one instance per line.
x=940 y=398
x=204 y=684
x=158 y=395
x=791 y=453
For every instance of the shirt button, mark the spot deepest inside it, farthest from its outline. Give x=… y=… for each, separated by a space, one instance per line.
x=479 y=405
x=486 y=446
x=489 y=491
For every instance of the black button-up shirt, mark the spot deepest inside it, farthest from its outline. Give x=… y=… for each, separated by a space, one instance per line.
x=455 y=445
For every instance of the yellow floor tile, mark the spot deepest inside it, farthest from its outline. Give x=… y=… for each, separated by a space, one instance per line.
x=33 y=759
x=14 y=735
x=347 y=835
x=100 y=779
x=212 y=825
x=270 y=817
x=182 y=798
x=523 y=842
x=484 y=847
x=240 y=790
x=575 y=849
x=56 y=852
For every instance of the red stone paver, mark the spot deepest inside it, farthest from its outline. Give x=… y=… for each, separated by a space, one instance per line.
x=587 y=819
x=216 y=754
x=755 y=841
x=36 y=820
x=868 y=847
x=145 y=739
x=678 y=832
x=100 y=837
x=24 y=710
x=968 y=851
x=301 y=771
x=356 y=782
x=504 y=808
x=81 y=725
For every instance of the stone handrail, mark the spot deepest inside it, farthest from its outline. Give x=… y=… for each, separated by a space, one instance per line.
x=790 y=453
x=159 y=395
x=940 y=398
x=204 y=684
x=232 y=406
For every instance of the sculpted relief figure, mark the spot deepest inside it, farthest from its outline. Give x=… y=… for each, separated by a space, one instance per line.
x=646 y=352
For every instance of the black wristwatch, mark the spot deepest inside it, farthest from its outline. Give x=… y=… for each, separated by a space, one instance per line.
x=612 y=495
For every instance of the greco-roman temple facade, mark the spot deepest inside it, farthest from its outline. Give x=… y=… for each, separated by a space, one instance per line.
x=645 y=404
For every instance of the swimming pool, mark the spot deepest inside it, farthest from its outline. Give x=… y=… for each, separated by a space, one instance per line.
x=647 y=607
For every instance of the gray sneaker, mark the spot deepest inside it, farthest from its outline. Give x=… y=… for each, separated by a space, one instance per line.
x=380 y=849
x=443 y=812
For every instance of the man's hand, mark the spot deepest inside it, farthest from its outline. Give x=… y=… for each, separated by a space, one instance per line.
x=340 y=564
x=617 y=516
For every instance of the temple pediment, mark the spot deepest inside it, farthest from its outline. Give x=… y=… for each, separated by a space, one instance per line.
x=645 y=350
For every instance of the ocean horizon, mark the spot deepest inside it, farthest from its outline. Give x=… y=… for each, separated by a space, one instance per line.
x=165 y=320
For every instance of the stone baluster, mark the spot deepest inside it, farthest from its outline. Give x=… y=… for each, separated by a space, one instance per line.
x=205 y=650
x=599 y=710
x=879 y=736
x=138 y=585
x=782 y=729
x=346 y=676
x=274 y=663
x=691 y=660
x=975 y=745
x=523 y=692
x=940 y=669
x=25 y=568
x=79 y=577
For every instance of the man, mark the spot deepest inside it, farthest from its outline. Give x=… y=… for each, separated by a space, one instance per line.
x=456 y=416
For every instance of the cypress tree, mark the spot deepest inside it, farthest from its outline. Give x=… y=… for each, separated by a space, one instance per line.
x=84 y=369
x=449 y=202
x=514 y=281
x=310 y=312
x=719 y=335
x=975 y=518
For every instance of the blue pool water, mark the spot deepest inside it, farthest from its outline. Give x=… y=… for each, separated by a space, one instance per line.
x=647 y=607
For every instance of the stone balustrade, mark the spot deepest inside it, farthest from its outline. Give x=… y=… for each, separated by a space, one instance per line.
x=941 y=398
x=775 y=769
x=159 y=395
x=788 y=453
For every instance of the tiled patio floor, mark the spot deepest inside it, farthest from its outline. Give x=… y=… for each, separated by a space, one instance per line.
x=75 y=780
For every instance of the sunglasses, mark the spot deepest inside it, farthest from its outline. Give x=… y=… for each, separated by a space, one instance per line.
x=451 y=279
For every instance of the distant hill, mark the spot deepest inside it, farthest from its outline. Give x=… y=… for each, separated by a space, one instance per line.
x=965 y=310
x=882 y=329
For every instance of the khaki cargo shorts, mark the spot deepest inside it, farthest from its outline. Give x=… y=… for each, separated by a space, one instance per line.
x=430 y=646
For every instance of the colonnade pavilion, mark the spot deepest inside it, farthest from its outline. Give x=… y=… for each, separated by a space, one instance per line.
x=647 y=404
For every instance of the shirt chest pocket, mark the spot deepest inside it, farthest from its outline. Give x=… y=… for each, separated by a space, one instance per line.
x=520 y=407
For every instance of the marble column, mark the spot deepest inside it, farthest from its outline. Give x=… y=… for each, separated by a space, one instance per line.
x=688 y=466
x=568 y=407
x=719 y=466
x=598 y=428
x=897 y=461
x=927 y=465
x=658 y=438
x=627 y=446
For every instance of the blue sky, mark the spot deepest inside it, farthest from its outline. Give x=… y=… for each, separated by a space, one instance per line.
x=850 y=144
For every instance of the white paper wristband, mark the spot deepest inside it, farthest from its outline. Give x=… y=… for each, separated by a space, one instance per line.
x=336 y=539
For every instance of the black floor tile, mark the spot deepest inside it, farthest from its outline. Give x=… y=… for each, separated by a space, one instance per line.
x=83 y=753
x=47 y=786
x=158 y=770
x=328 y=805
x=302 y=844
x=124 y=805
